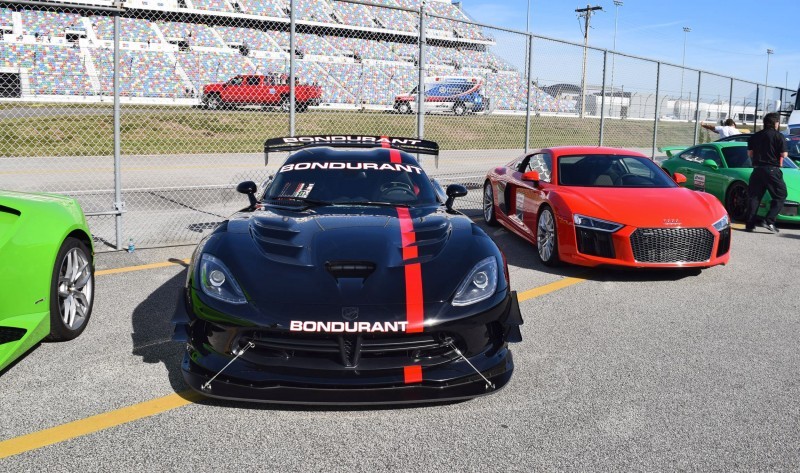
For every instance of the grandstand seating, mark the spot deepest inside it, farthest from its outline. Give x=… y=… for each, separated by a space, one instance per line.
x=264 y=8
x=133 y=29
x=205 y=67
x=156 y=73
x=213 y=5
x=46 y=23
x=193 y=33
x=313 y=10
x=5 y=17
x=253 y=39
x=355 y=14
x=142 y=74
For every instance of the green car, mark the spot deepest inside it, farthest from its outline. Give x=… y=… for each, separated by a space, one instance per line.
x=46 y=271
x=723 y=169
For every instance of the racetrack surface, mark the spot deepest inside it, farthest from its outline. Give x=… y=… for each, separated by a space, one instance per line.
x=626 y=370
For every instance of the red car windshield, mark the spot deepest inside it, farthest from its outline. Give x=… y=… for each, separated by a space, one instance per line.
x=605 y=170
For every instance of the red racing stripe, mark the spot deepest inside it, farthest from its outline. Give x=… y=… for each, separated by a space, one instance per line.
x=394 y=156
x=412 y=374
x=413 y=273
x=385 y=142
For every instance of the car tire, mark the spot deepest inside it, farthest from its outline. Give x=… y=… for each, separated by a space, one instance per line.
x=214 y=102
x=489 y=215
x=547 y=237
x=736 y=201
x=403 y=108
x=71 y=291
x=459 y=109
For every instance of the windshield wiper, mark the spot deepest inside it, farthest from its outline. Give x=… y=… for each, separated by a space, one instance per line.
x=300 y=200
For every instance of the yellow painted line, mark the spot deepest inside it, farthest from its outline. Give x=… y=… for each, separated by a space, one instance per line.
x=142 y=267
x=95 y=423
x=548 y=288
x=107 y=420
x=737 y=226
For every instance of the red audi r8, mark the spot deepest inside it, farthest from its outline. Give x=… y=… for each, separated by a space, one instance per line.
x=594 y=206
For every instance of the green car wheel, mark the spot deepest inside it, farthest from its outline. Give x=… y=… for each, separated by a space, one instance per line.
x=736 y=200
x=46 y=272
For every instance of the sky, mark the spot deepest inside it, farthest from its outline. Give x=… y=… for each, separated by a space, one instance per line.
x=729 y=38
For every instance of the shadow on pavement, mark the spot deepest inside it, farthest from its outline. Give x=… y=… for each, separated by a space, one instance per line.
x=152 y=329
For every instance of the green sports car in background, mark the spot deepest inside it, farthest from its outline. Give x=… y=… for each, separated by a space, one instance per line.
x=723 y=169
x=46 y=271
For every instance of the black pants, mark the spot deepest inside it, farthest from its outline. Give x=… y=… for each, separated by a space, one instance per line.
x=763 y=179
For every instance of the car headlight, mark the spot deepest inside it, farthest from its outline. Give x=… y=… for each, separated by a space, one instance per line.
x=479 y=284
x=722 y=223
x=216 y=281
x=595 y=223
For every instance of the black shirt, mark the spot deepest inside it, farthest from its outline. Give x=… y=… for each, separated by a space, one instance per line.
x=767 y=146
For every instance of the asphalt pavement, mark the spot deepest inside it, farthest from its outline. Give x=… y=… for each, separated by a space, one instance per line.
x=627 y=370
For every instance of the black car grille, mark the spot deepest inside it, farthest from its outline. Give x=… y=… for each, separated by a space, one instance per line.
x=595 y=243
x=724 y=242
x=349 y=350
x=672 y=245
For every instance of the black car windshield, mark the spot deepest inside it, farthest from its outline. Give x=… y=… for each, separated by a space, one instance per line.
x=793 y=146
x=351 y=180
x=605 y=170
x=736 y=157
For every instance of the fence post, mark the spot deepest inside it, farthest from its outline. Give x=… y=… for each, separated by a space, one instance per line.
x=658 y=106
x=755 y=109
x=528 y=107
x=697 y=108
x=119 y=206
x=603 y=98
x=730 y=101
x=421 y=76
x=292 y=40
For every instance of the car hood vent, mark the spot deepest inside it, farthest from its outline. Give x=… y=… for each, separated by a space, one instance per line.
x=350 y=269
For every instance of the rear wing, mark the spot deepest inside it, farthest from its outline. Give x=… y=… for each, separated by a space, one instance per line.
x=672 y=150
x=294 y=143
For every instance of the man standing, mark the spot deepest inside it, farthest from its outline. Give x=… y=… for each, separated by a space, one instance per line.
x=767 y=150
x=729 y=129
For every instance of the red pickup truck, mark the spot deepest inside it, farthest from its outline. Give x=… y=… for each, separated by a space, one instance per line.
x=268 y=91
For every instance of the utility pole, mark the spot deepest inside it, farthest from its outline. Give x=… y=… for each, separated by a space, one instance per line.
x=686 y=29
x=617 y=4
x=770 y=52
x=586 y=14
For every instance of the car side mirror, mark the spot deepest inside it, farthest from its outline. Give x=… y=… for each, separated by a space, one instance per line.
x=532 y=176
x=249 y=188
x=709 y=163
x=453 y=191
x=680 y=178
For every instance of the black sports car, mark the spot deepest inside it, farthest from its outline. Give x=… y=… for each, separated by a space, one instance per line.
x=351 y=280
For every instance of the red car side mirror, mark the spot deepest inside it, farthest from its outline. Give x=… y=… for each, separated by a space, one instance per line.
x=679 y=178
x=531 y=176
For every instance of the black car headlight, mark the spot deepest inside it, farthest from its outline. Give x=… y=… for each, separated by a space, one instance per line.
x=722 y=223
x=595 y=223
x=480 y=283
x=216 y=281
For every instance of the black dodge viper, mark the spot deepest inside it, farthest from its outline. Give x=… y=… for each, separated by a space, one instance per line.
x=350 y=279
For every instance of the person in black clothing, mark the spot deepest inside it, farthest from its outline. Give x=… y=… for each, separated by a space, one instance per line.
x=767 y=150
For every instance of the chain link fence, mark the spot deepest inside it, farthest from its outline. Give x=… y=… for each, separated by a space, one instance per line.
x=149 y=112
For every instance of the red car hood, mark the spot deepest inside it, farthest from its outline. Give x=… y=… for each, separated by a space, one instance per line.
x=663 y=207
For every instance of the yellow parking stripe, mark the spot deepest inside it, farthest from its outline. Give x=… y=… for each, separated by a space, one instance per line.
x=548 y=288
x=737 y=226
x=126 y=269
x=96 y=423
x=107 y=420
